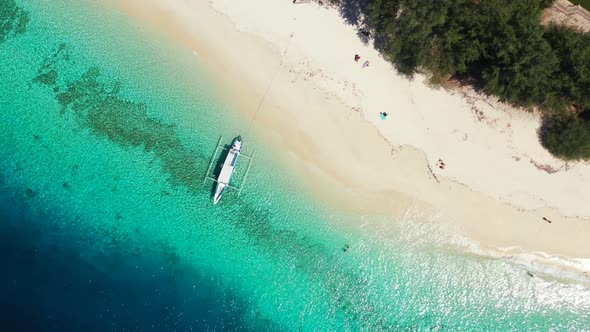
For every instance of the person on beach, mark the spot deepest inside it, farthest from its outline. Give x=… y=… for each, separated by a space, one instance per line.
x=547 y=220
x=440 y=164
x=357 y=57
x=366 y=64
x=383 y=115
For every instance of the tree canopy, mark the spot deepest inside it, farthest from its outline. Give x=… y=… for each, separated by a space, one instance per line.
x=567 y=137
x=498 y=45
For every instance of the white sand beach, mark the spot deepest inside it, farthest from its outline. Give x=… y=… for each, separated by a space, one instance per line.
x=498 y=182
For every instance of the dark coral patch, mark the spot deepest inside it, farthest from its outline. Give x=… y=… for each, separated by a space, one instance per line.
x=13 y=20
x=30 y=193
x=47 y=73
x=99 y=107
x=48 y=78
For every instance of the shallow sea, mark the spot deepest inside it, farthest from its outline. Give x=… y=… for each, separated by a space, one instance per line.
x=106 y=131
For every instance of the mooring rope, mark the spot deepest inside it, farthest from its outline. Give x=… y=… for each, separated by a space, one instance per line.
x=263 y=98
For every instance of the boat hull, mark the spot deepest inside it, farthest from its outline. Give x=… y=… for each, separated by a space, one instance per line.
x=227 y=170
x=219 y=191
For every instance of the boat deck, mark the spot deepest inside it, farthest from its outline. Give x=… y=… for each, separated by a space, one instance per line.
x=228 y=167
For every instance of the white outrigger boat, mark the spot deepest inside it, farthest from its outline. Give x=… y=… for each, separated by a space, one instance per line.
x=227 y=169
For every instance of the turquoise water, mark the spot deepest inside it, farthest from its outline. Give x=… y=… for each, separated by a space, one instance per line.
x=106 y=134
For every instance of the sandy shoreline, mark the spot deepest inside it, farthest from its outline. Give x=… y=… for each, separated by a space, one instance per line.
x=498 y=183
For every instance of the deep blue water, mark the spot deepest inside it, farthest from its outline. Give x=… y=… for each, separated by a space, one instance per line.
x=53 y=280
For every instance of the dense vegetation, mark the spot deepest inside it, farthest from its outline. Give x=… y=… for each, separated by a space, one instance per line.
x=583 y=3
x=500 y=47
x=567 y=136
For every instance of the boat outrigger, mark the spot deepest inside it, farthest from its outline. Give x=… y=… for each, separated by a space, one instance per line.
x=228 y=168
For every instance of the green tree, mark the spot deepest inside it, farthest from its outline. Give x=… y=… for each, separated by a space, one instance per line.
x=456 y=43
x=566 y=136
x=571 y=82
x=381 y=15
x=517 y=61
